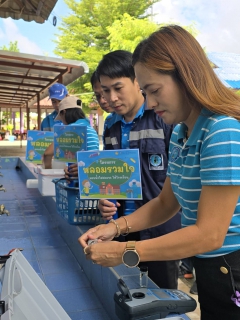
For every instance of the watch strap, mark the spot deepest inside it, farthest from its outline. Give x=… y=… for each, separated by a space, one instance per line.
x=131 y=245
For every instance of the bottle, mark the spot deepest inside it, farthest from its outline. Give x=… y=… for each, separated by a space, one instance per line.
x=143 y=276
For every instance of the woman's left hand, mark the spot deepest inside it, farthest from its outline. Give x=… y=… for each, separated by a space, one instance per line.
x=106 y=254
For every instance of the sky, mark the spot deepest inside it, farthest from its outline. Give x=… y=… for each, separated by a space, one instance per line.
x=216 y=20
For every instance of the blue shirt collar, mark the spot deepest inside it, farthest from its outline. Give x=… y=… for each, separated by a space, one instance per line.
x=182 y=133
x=138 y=114
x=83 y=122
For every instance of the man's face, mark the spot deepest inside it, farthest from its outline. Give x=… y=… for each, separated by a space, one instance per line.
x=100 y=98
x=123 y=95
x=55 y=103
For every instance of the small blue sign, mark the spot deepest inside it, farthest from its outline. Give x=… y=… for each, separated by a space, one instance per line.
x=37 y=143
x=109 y=174
x=68 y=140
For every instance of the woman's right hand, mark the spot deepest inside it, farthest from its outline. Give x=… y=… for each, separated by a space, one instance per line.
x=107 y=208
x=103 y=232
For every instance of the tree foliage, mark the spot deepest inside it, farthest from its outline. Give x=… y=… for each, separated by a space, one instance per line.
x=13 y=46
x=85 y=34
x=128 y=31
x=87 y=26
x=96 y=27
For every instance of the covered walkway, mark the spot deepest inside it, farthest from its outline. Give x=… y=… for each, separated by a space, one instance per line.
x=25 y=79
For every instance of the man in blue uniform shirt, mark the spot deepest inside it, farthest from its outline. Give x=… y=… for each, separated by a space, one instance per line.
x=136 y=127
x=56 y=93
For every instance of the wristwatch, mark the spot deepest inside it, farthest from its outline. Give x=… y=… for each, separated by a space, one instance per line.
x=130 y=255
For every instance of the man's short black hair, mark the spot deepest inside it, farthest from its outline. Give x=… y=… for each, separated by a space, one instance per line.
x=94 y=78
x=116 y=64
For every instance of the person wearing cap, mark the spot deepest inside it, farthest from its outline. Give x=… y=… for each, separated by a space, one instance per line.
x=70 y=113
x=56 y=93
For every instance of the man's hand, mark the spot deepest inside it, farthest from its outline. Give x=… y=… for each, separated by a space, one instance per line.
x=71 y=171
x=107 y=208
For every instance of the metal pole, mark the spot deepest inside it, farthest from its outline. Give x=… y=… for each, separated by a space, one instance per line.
x=21 y=126
x=38 y=111
x=28 y=118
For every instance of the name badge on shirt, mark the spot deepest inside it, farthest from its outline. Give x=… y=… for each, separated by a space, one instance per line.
x=155 y=161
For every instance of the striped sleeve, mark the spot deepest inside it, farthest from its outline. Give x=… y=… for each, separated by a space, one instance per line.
x=92 y=139
x=220 y=156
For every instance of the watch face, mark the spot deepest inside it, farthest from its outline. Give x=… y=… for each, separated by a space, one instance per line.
x=130 y=258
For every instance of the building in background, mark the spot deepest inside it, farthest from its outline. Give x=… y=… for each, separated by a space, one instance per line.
x=227 y=67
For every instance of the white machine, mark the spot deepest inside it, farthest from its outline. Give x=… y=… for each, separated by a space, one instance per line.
x=24 y=296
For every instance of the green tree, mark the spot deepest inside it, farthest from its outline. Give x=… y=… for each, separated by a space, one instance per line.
x=13 y=46
x=127 y=32
x=87 y=26
x=96 y=27
x=85 y=35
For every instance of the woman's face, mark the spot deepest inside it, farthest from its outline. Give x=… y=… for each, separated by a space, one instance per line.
x=164 y=95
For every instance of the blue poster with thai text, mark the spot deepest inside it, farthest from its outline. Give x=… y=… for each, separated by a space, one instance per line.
x=37 y=143
x=109 y=174
x=68 y=140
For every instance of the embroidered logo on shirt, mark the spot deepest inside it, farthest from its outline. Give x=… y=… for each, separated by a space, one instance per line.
x=175 y=154
x=155 y=161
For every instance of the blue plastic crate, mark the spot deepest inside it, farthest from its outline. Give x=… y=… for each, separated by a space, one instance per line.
x=74 y=210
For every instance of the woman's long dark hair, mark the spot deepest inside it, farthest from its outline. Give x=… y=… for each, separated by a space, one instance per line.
x=172 y=50
x=73 y=114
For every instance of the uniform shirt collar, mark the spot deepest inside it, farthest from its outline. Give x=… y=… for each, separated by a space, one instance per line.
x=138 y=114
x=192 y=140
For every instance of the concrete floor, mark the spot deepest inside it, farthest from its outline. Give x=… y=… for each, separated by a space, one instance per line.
x=13 y=149
x=185 y=286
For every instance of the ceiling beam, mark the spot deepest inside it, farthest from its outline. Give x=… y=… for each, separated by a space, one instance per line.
x=21 y=84
x=29 y=59
x=13 y=105
x=13 y=90
x=22 y=11
x=39 y=8
x=34 y=67
x=13 y=98
x=18 y=76
x=19 y=3
x=25 y=95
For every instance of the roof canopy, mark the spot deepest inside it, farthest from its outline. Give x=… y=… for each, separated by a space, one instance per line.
x=27 y=10
x=25 y=78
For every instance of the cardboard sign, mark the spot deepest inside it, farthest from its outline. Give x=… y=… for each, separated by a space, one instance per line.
x=109 y=174
x=68 y=140
x=37 y=143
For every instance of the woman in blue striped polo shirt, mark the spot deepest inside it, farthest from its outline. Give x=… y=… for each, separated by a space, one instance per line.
x=203 y=173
